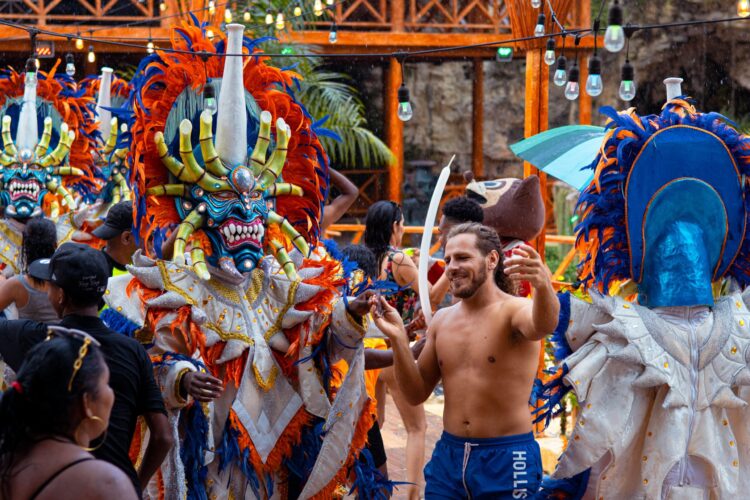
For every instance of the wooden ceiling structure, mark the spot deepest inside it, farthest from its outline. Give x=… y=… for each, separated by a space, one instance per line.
x=365 y=27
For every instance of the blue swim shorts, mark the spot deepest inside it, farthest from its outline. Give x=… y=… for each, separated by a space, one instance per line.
x=471 y=468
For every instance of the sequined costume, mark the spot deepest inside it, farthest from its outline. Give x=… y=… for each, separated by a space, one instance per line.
x=662 y=384
x=249 y=295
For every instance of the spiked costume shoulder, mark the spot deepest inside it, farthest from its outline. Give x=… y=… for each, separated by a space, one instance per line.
x=249 y=296
x=42 y=175
x=662 y=383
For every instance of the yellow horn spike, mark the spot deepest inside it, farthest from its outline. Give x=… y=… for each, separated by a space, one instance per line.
x=284 y=261
x=169 y=161
x=122 y=184
x=194 y=173
x=276 y=164
x=297 y=239
x=210 y=156
x=284 y=188
x=258 y=157
x=112 y=139
x=198 y=257
x=54 y=210
x=67 y=170
x=41 y=147
x=6 y=160
x=192 y=223
x=67 y=198
x=63 y=146
x=168 y=190
x=116 y=197
x=8 y=145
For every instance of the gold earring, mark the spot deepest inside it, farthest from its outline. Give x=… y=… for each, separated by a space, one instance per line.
x=94 y=448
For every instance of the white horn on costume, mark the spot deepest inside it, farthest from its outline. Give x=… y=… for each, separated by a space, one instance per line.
x=104 y=100
x=674 y=89
x=231 y=129
x=28 y=128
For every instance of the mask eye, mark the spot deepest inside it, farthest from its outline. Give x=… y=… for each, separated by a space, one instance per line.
x=225 y=195
x=255 y=195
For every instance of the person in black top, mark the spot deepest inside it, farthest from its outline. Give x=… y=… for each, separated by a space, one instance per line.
x=117 y=231
x=77 y=277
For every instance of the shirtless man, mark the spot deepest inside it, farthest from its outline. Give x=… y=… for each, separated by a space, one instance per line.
x=486 y=349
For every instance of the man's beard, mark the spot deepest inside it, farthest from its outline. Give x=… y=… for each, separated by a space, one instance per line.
x=470 y=289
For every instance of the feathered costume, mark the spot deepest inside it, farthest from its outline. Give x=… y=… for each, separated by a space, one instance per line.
x=42 y=175
x=257 y=304
x=662 y=383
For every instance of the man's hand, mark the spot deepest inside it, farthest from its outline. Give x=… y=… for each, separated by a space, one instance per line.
x=388 y=320
x=525 y=264
x=202 y=386
x=361 y=305
x=416 y=324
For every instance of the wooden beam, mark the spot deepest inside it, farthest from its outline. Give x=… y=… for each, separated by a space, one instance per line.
x=477 y=128
x=394 y=130
x=398 y=10
x=584 y=100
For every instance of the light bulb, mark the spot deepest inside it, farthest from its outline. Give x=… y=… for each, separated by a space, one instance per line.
x=92 y=56
x=549 y=54
x=209 y=98
x=150 y=47
x=269 y=17
x=536 y=3
x=246 y=16
x=31 y=72
x=329 y=2
x=280 y=23
x=594 y=85
x=79 y=43
x=627 y=85
x=37 y=63
x=539 y=28
x=561 y=74
x=318 y=8
x=297 y=10
x=227 y=15
x=572 y=88
x=209 y=34
x=211 y=7
x=743 y=8
x=614 y=37
x=405 y=111
x=333 y=35
x=162 y=6
x=70 y=66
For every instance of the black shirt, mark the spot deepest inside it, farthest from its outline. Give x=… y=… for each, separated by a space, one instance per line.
x=113 y=264
x=131 y=378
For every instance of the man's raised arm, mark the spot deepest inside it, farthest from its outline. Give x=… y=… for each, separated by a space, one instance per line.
x=416 y=380
x=538 y=319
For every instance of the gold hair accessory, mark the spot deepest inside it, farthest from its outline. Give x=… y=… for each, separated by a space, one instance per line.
x=82 y=351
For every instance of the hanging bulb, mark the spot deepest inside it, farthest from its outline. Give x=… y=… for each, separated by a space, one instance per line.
x=318 y=8
x=70 y=65
x=333 y=35
x=150 y=46
x=280 y=23
x=627 y=85
x=536 y=3
x=209 y=34
x=31 y=72
x=227 y=15
x=561 y=73
x=37 y=63
x=549 y=54
x=405 y=111
x=211 y=7
x=539 y=28
x=92 y=56
x=743 y=8
x=246 y=16
x=79 y=43
x=614 y=37
x=572 y=89
x=594 y=85
x=298 y=10
x=329 y=2
x=163 y=6
x=209 y=98
x=269 y=17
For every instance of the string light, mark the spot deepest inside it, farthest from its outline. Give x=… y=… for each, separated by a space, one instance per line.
x=70 y=65
x=269 y=17
x=209 y=98
x=549 y=54
x=150 y=46
x=539 y=28
x=246 y=16
x=280 y=23
x=92 y=56
x=79 y=42
x=572 y=89
x=298 y=9
x=329 y=2
x=743 y=8
x=227 y=15
x=209 y=34
x=561 y=73
x=627 y=85
x=318 y=8
x=163 y=6
x=405 y=111
x=594 y=84
x=333 y=35
x=536 y=4
x=211 y=7
x=31 y=71
x=614 y=37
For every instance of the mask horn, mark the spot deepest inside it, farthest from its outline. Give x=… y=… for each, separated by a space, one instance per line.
x=28 y=129
x=105 y=101
x=231 y=129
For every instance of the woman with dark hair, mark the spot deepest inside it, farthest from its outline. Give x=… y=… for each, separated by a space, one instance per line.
x=26 y=292
x=58 y=405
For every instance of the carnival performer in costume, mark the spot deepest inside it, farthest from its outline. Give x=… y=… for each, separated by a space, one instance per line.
x=255 y=303
x=662 y=383
x=42 y=176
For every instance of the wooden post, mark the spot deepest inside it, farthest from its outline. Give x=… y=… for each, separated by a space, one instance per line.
x=394 y=130
x=477 y=115
x=397 y=15
x=584 y=100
